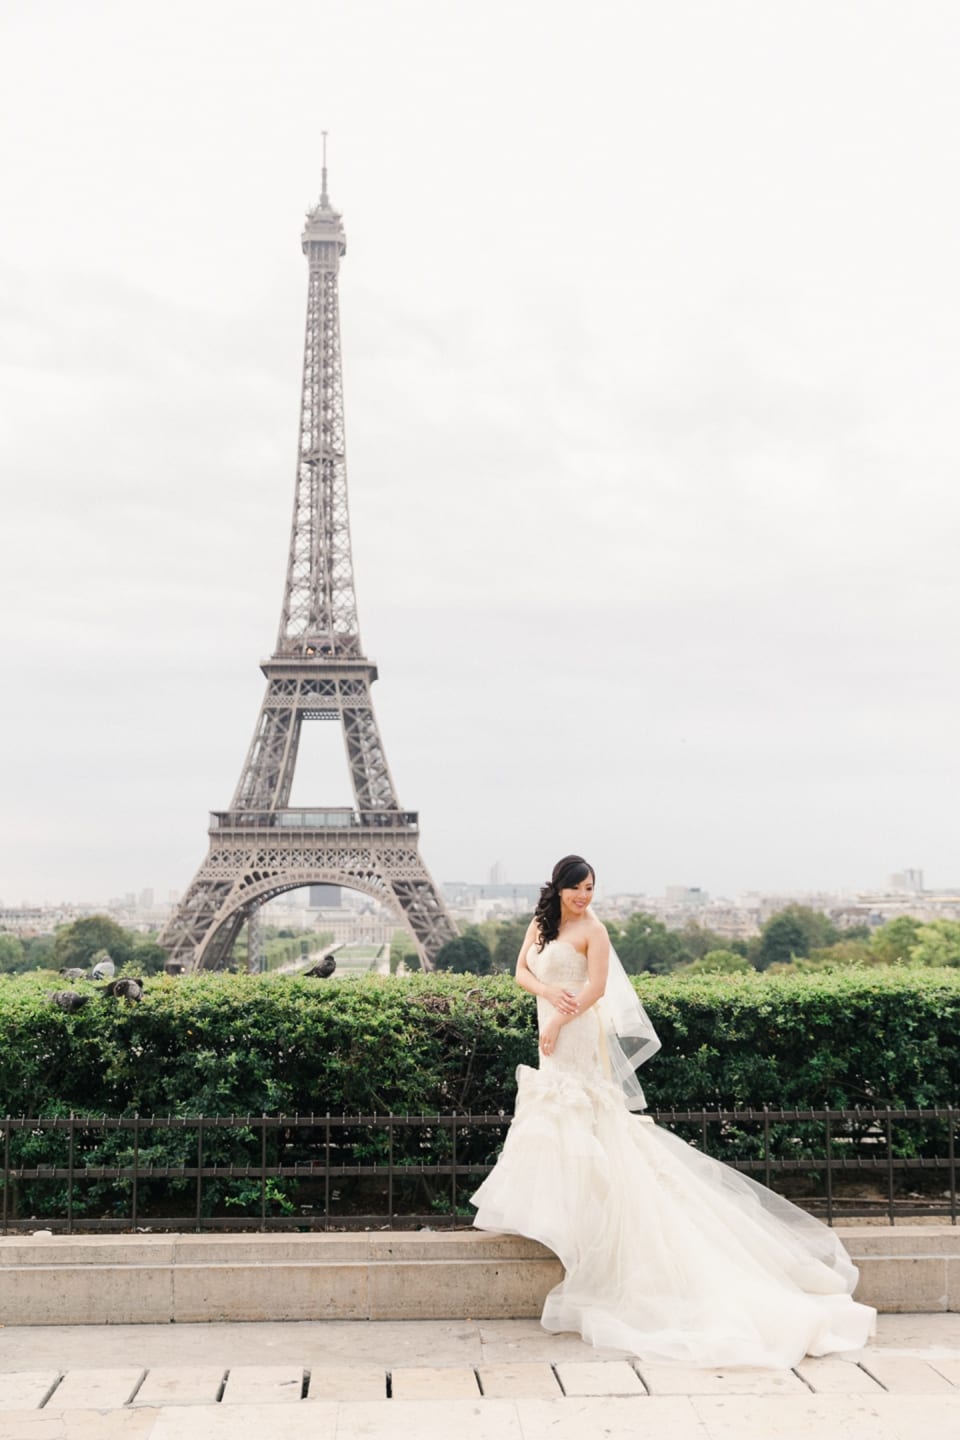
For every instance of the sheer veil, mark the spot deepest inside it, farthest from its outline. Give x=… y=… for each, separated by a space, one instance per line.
x=630 y=1036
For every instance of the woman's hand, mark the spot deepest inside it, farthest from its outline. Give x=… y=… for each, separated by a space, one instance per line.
x=563 y=1000
x=548 y=1035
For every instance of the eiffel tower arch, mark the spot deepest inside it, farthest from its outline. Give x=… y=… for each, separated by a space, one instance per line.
x=262 y=846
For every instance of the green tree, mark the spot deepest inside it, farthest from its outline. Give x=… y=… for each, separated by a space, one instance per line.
x=506 y=946
x=148 y=957
x=782 y=939
x=893 y=942
x=792 y=933
x=848 y=951
x=645 y=944
x=38 y=952
x=467 y=954
x=937 y=944
x=717 y=962
x=699 y=940
x=12 y=957
x=77 y=943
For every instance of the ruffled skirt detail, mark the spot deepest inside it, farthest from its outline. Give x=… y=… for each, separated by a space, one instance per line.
x=667 y=1253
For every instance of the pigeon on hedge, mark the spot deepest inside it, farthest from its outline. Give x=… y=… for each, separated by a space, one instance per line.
x=73 y=973
x=323 y=969
x=67 y=1000
x=103 y=970
x=124 y=989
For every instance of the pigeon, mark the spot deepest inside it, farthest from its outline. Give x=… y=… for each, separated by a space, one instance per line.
x=124 y=989
x=323 y=969
x=103 y=970
x=68 y=1000
x=73 y=973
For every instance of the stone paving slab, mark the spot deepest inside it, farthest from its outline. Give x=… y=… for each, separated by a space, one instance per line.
x=103 y=1389
x=450 y=1382
x=315 y=1342
x=263 y=1384
x=600 y=1377
x=26 y=1389
x=504 y=1342
x=917 y=1356
x=830 y=1376
x=528 y=1380
x=80 y=1425
x=770 y=1417
x=949 y=1369
x=702 y=1417
x=917 y=1332
x=662 y=1379
x=248 y=1422
x=920 y=1417
x=612 y=1418
x=906 y=1375
x=181 y=1385
x=348 y=1382
x=421 y=1420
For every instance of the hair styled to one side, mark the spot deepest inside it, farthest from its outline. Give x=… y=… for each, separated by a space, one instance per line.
x=567 y=873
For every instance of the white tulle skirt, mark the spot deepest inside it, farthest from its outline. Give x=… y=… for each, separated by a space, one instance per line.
x=667 y=1254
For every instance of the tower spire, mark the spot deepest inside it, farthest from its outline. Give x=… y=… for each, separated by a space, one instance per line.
x=324 y=197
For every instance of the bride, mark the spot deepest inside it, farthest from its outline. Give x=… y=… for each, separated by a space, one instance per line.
x=667 y=1253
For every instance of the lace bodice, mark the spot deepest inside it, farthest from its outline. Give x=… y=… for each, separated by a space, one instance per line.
x=558 y=963
x=580 y=1044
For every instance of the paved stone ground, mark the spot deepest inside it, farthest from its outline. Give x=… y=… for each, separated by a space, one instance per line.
x=447 y=1380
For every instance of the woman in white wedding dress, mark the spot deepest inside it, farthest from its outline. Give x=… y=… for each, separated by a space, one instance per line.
x=667 y=1253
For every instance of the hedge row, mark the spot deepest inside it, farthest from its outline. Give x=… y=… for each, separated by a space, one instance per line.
x=214 y=1044
x=242 y=1045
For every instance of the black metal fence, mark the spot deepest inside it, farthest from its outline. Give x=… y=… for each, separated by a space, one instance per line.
x=77 y=1173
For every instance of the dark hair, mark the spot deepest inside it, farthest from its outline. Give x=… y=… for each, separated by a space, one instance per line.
x=567 y=873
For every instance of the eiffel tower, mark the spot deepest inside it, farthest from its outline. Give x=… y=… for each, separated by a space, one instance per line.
x=261 y=846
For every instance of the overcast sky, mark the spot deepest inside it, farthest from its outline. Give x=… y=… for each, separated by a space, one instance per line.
x=652 y=354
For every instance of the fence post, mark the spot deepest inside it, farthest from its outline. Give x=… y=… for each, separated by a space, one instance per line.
x=136 y=1168
x=263 y=1171
x=199 y=1171
x=70 y=1174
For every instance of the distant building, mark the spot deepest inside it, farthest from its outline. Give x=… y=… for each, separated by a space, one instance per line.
x=688 y=896
x=906 y=882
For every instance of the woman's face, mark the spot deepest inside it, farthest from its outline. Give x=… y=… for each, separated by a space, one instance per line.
x=574 y=901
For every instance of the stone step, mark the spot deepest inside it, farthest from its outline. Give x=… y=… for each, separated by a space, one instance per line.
x=384 y=1275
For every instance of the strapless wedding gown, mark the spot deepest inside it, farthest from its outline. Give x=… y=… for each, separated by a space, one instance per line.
x=667 y=1253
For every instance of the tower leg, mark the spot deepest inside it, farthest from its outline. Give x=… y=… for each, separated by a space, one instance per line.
x=256 y=955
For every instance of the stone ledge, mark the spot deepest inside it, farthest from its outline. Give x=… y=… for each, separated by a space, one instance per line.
x=384 y=1275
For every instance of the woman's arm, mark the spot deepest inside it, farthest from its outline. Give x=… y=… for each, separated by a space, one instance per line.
x=598 y=962
x=563 y=1000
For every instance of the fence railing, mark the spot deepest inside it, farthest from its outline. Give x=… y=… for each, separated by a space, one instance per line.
x=76 y=1173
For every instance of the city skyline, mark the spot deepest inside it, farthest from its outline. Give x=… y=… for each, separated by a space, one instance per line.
x=906 y=882
x=650 y=344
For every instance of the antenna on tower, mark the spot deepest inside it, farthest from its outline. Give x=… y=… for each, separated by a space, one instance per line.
x=324 y=199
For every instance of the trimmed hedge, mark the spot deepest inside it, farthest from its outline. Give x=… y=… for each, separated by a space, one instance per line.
x=216 y=1044
x=242 y=1045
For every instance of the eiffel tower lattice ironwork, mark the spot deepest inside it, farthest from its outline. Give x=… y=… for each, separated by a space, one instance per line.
x=261 y=846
